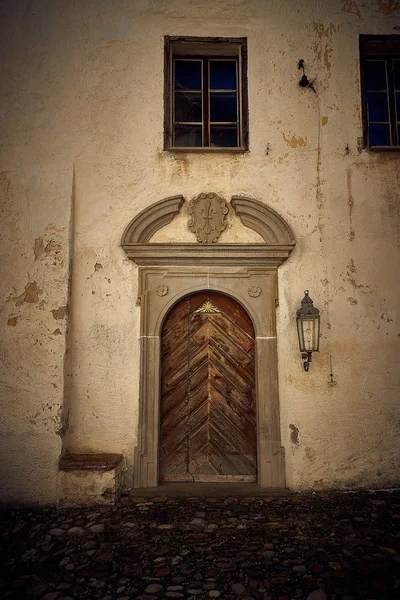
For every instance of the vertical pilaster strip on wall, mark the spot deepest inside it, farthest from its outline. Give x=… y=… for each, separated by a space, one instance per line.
x=68 y=366
x=146 y=453
x=74 y=437
x=271 y=474
x=271 y=454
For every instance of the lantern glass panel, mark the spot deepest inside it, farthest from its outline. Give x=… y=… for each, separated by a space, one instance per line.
x=308 y=332
x=300 y=334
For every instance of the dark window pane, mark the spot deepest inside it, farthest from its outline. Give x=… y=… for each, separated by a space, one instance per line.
x=223 y=107
x=375 y=75
x=188 y=107
x=397 y=106
x=378 y=107
x=396 y=74
x=379 y=135
x=223 y=136
x=222 y=74
x=188 y=75
x=188 y=136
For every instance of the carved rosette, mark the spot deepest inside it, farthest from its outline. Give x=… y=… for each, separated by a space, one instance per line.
x=161 y=290
x=208 y=217
x=254 y=291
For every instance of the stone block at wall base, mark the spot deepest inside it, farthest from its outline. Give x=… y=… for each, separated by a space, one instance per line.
x=89 y=479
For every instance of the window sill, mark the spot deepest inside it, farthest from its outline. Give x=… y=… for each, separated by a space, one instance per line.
x=238 y=150
x=384 y=148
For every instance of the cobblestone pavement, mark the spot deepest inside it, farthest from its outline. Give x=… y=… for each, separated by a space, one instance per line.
x=314 y=546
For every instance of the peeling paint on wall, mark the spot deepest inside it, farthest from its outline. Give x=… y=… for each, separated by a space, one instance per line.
x=97 y=267
x=352 y=270
x=323 y=47
x=388 y=7
x=325 y=30
x=30 y=295
x=350 y=203
x=52 y=246
x=38 y=248
x=5 y=185
x=294 y=434
x=295 y=142
x=60 y=313
x=350 y=7
x=310 y=454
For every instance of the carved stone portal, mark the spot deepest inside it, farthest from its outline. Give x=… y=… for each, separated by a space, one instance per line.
x=208 y=217
x=231 y=269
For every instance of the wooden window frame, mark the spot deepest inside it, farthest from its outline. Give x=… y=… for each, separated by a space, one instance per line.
x=205 y=51
x=385 y=48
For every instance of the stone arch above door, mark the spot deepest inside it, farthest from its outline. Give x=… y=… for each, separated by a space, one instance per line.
x=245 y=271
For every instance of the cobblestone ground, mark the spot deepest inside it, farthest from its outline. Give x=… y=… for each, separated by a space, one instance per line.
x=314 y=546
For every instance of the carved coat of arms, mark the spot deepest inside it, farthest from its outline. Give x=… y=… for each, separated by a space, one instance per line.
x=207 y=217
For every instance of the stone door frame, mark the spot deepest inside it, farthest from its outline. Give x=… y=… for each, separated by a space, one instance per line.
x=246 y=272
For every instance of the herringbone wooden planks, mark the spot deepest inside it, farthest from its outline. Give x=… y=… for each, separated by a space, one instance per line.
x=208 y=409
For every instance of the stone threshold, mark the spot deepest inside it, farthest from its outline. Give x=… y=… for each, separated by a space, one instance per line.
x=189 y=489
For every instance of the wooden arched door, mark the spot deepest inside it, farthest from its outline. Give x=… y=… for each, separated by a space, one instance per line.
x=208 y=405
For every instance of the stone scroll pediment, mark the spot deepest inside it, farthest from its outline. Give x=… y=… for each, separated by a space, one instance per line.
x=208 y=218
x=263 y=219
x=142 y=227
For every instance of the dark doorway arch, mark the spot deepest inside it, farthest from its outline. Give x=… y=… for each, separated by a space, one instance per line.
x=208 y=424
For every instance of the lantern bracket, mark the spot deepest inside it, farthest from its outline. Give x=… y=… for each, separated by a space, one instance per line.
x=307 y=357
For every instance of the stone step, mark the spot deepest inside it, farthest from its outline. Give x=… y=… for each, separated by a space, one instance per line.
x=209 y=489
x=94 y=479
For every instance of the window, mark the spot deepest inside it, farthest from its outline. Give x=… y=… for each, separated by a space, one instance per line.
x=205 y=94
x=380 y=83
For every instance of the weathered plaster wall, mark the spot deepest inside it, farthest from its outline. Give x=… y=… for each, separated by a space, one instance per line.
x=81 y=154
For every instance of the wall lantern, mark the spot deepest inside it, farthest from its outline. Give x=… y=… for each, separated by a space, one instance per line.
x=307 y=321
x=304 y=81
